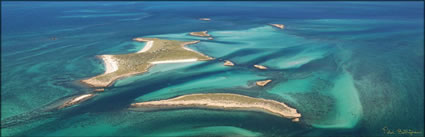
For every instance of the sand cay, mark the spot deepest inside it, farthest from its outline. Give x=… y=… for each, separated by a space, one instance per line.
x=156 y=51
x=228 y=63
x=263 y=83
x=76 y=100
x=280 y=26
x=260 y=67
x=200 y=34
x=226 y=101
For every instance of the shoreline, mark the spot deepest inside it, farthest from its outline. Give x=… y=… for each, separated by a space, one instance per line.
x=175 y=61
x=148 y=45
x=189 y=49
x=111 y=65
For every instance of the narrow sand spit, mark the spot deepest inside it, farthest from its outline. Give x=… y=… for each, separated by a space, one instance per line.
x=76 y=100
x=280 y=26
x=174 y=61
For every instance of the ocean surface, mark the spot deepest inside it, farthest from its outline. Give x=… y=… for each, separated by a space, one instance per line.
x=349 y=68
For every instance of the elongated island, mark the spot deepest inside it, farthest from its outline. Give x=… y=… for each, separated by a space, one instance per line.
x=156 y=51
x=226 y=101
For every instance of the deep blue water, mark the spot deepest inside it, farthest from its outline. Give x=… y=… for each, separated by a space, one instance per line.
x=350 y=68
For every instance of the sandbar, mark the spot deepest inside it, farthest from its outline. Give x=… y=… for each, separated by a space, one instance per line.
x=76 y=100
x=263 y=83
x=260 y=66
x=200 y=34
x=226 y=101
x=228 y=63
x=280 y=26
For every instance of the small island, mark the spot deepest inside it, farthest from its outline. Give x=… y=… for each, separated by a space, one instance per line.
x=205 y=19
x=263 y=83
x=156 y=51
x=99 y=90
x=280 y=26
x=76 y=100
x=226 y=101
x=200 y=34
x=228 y=63
x=260 y=66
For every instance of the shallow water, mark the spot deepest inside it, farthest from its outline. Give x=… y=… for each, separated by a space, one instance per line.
x=348 y=72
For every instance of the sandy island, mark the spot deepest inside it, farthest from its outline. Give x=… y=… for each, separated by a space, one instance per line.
x=260 y=66
x=226 y=101
x=200 y=34
x=263 y=83
x=280 y=26
x=228 y=63
x=156 y=51
x=76 y=100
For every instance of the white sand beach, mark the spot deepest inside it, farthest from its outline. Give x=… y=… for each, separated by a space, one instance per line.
x=111 y=65
x=147 y=47
x=174 y=61
x=76 y=100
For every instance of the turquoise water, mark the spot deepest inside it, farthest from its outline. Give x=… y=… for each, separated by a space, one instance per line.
x=348 y=72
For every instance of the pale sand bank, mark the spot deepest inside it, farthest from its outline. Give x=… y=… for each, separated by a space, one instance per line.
x=76 y=100
x=260 y=66
x=280 y=26
x=200 y=34
x=263 y=83
x=225 y=101
x=228 y=63
x=175 y=61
